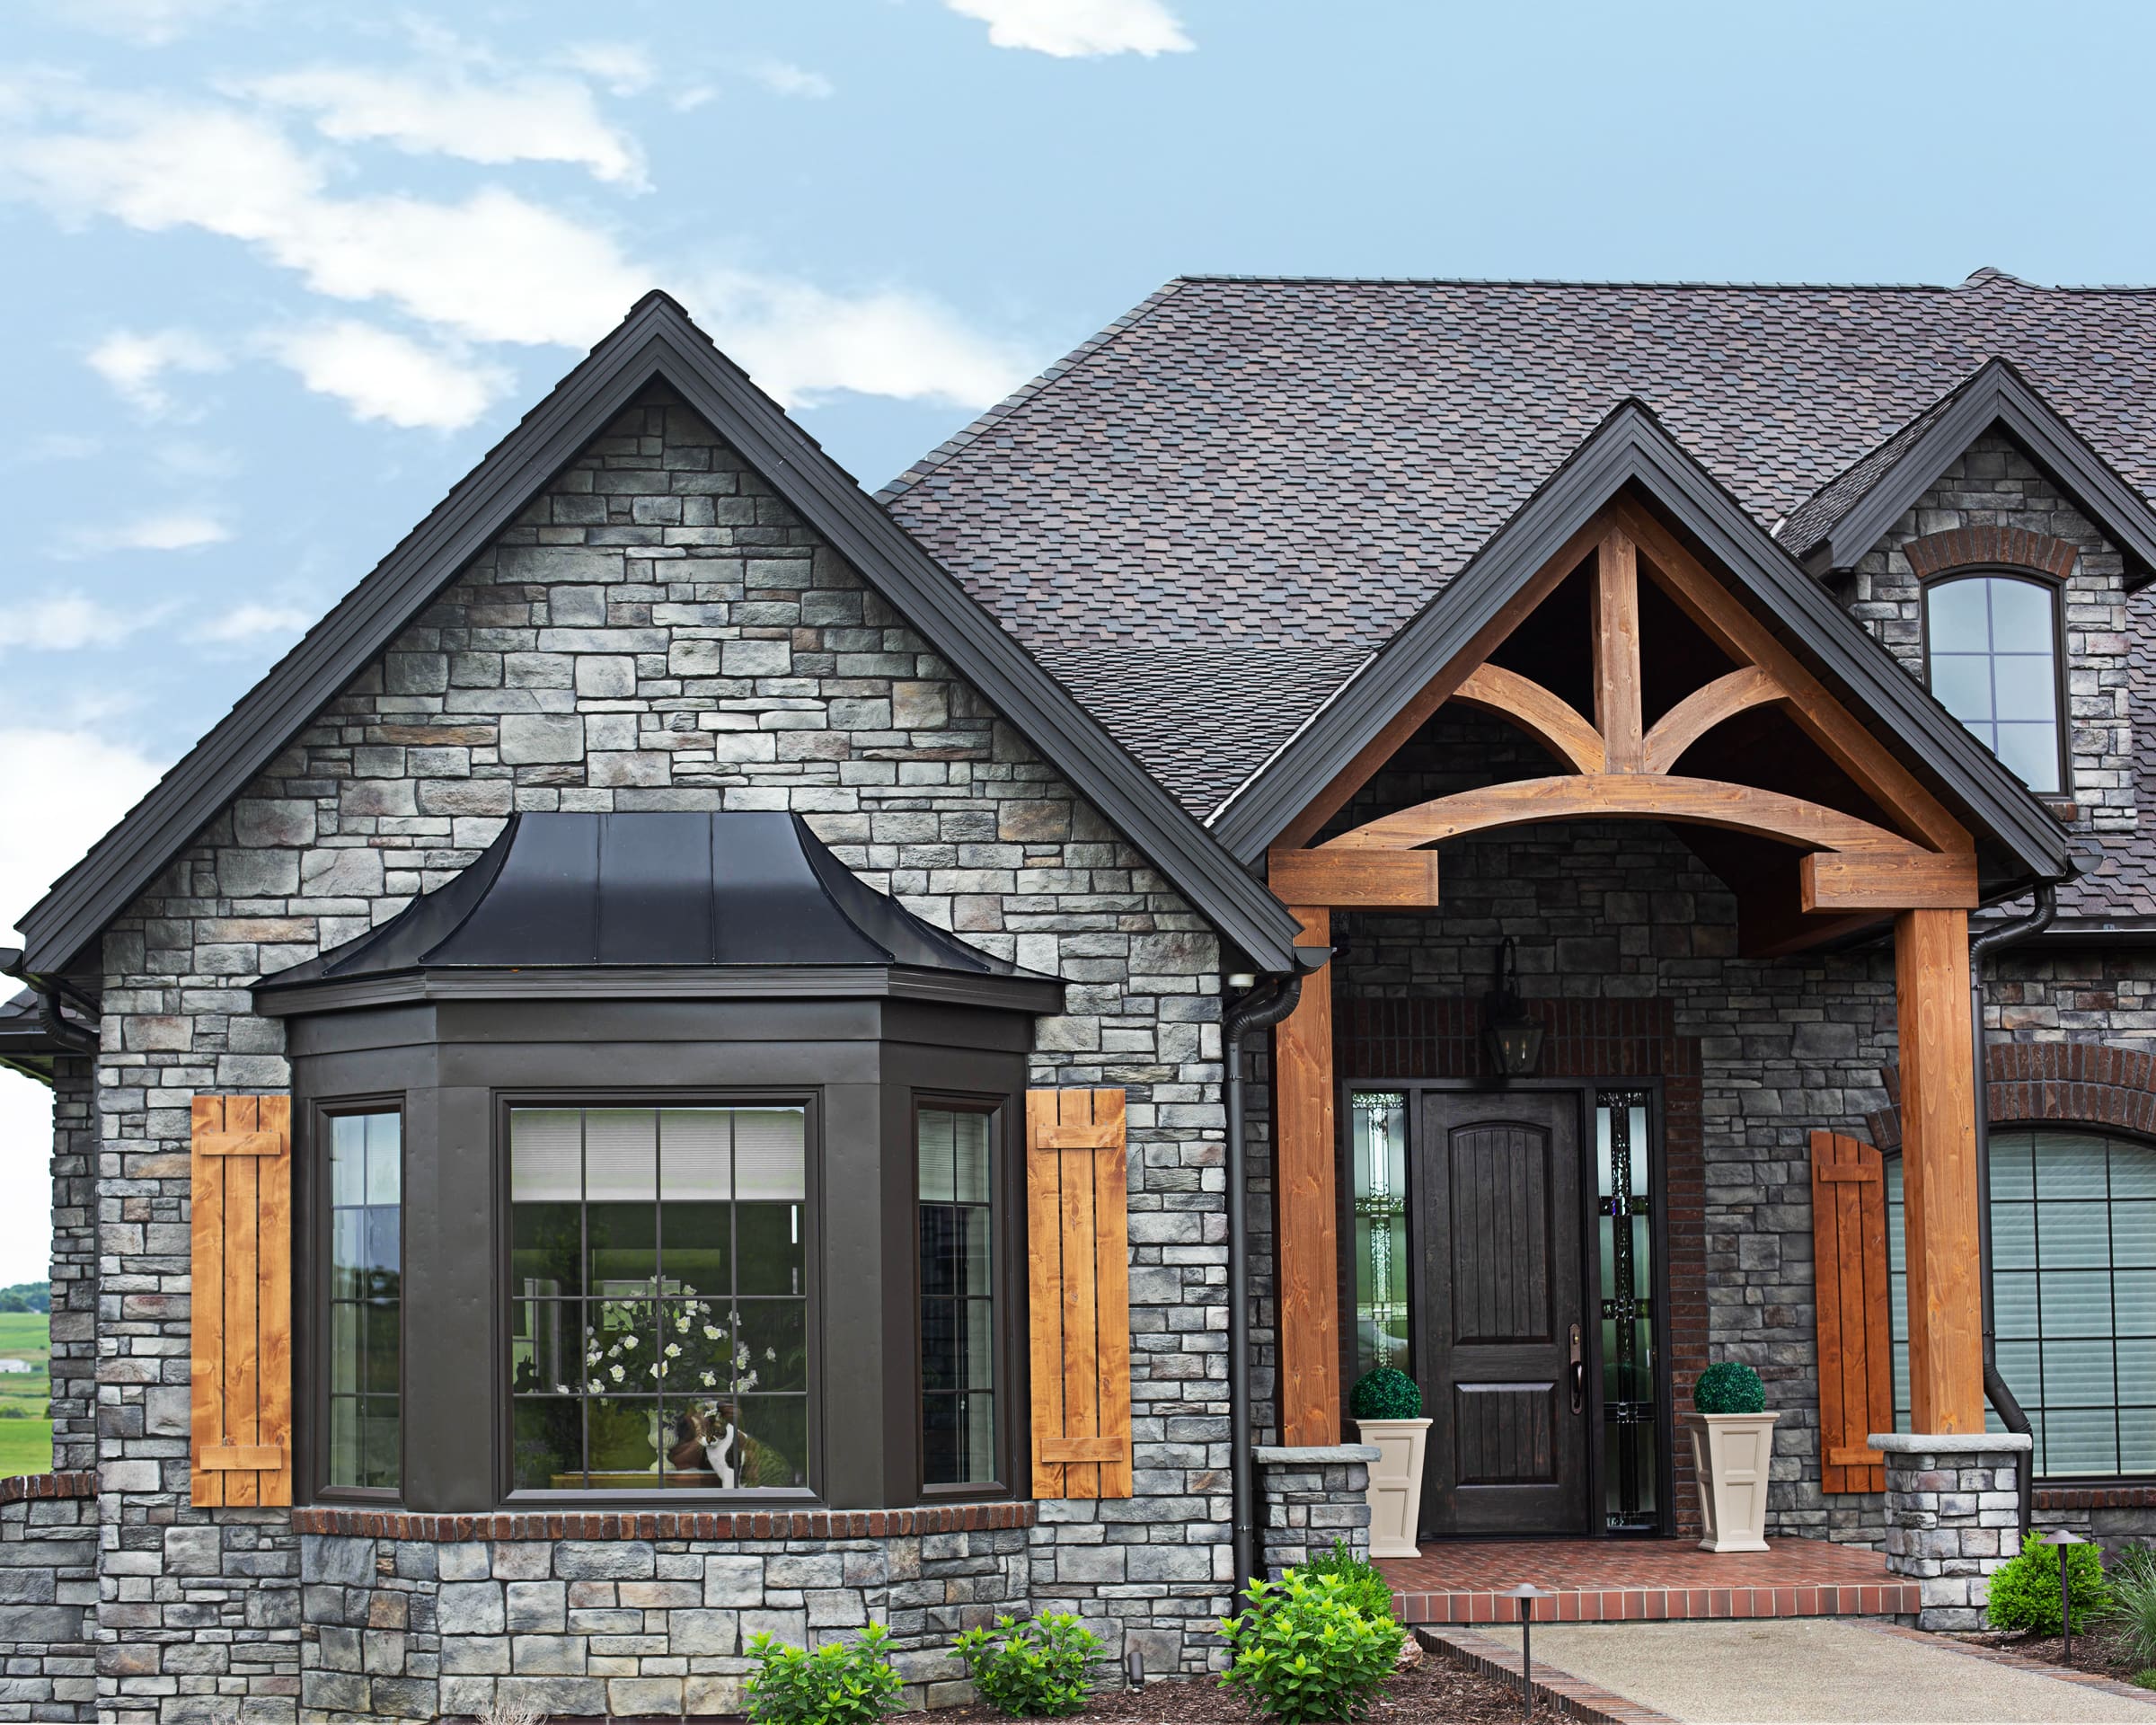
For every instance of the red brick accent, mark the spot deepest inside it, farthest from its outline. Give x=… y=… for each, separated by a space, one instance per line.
x=82 y=1484
x=2015 y=546
x=2090 y=1084
x=2095 y=1497
x=1606 y=1040
x=667 y=1524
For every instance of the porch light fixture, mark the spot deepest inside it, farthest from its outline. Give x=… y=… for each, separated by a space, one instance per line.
x=1513 y=1038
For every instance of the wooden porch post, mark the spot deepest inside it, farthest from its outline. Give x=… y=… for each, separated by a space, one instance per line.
x=1938 y=1171
x=1306 y=1249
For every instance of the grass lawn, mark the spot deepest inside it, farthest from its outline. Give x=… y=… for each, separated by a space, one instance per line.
x=26 y=1442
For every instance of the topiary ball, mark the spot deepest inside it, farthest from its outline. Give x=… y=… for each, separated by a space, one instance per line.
x=1730 y=1388
x=1386 y=1394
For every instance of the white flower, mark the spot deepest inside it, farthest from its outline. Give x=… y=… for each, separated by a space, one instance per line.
x=672 y=1350
x=711 y=1380
x=594 y=1386
x=658 y=1369
x=682 y=1323
x=628 y=1341
x=561 y=1389
x=710 y=1333
x=614 y=1371
x=747 y=1382
x=772 y=1354
x=741 y=1354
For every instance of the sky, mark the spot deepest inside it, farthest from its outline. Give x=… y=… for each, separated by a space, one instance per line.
x=277 y=273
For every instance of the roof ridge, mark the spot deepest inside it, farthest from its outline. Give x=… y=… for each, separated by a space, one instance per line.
x=1033 y=386
x=1982 y=278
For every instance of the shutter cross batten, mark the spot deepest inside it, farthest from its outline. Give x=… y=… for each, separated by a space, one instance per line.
x=1078 y=1286
x=240 y=1413
x=1849 y=1285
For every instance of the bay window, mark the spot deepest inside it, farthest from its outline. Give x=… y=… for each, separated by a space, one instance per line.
x=955 y=1162
x=364 y=1181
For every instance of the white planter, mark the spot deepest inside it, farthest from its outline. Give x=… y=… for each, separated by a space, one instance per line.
x=1395 y=1493
x=1733 y=1454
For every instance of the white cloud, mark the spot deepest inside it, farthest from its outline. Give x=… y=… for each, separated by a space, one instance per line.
x=66 y=623
x=620 y=68
x=134 y=364
x=170 y=530
x=147 y=23
x=1078 y=28
x=801 y=341
x=784 y=78
x=492 y=267
x=533 y=117
x=248 y=621
x=383 y=375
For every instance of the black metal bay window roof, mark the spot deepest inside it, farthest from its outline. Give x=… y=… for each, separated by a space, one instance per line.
x=654 y=905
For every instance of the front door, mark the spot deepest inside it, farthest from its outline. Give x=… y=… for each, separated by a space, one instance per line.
x=1500 y=1336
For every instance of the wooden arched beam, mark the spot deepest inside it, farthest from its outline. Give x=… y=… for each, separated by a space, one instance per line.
x=1702 y=710
x=1551 y=722
x=1638 y=796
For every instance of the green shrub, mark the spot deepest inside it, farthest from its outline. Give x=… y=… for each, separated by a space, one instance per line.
x=2024 y=1591
x=1367 y=1589
x=1036 y=1669
x=2133 y=1615
x=1303 y=1652
x=842 y=1683
x=1729 y=1387
x=1385 y=1393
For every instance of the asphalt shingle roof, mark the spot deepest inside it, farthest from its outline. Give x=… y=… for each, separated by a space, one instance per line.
x=1205 y=519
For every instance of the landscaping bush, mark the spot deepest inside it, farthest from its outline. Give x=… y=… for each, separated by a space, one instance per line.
x=1035 y=1669
x=842 y=1683
x=2133 y=1615
x=1368 y=1590
x=1303 y=1651
x=1385 y=1393
x=1730 y=1388
x=2025 y=1592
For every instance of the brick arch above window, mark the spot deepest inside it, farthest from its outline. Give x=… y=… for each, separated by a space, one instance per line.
x=2015 y=548
x=2086 y=1084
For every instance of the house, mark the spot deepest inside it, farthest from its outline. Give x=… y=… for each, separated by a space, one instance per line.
x=663 y=1075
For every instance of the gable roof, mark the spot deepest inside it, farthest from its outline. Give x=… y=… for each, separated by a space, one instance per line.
x=1632 y=450
x=1270 y=477
x=656 y=342
x=1846 y=517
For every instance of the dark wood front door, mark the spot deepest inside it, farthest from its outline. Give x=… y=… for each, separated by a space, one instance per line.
x=1501 y=1325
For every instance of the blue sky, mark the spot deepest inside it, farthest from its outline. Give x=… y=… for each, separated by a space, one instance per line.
x=277 y=273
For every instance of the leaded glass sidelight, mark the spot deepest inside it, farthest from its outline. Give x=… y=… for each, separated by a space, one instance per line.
x=1624 y=1206
x=366 y=1308
x=659 y=1300
x=958 y=1305
x=1380 y=1134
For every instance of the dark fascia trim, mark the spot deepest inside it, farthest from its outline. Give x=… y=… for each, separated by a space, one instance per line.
x=2099 y=934
x=1998 y=395
x=1021 y=994
x=1632 y=448
x=656 y=343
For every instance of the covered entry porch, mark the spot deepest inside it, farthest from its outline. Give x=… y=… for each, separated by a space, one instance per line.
x=1626 y=680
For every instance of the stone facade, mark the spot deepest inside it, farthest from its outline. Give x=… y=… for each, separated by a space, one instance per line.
x=73 y=1271
x=658 y=632
x=48 y=1560
x=1951 y=1508
x=1314 y=1498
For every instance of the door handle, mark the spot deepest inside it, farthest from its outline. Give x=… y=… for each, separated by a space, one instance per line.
x=1579 y=1375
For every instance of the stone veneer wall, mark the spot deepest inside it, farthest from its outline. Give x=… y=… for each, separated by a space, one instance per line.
x=74 y=1265
x=657 y=632
x=47 y=1590
x=1312 y=1498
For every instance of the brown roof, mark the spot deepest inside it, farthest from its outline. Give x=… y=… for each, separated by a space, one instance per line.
x=1206 y=519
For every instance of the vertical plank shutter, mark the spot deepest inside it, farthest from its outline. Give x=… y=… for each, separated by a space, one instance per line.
x=239 y=1446
x=1856 y=1349
x=1078 y=1283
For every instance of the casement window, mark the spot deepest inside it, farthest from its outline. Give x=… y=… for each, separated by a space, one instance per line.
x=2073 y=1290
x=1992 y=655
x=955 y=1161
x=659 y=1298
x=365 y=1184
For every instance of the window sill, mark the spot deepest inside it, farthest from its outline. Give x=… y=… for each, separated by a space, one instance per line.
x=631 y=1522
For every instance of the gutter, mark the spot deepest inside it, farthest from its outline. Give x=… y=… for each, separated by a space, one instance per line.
x=1980 y=946
x=82 y=1038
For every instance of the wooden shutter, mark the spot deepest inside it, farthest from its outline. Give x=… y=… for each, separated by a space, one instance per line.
x=1856 y=1347
x=1078 y=1282
x=241 y=1441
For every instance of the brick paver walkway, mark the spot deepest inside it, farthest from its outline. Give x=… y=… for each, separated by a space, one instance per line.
x=1609 y=1580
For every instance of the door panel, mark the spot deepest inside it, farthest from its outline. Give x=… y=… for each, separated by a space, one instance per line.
x=1497 y=1214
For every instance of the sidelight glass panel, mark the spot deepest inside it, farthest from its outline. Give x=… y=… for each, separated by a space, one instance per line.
x=1380 y=1249
x=958 y=1295
x=1624 y=1245
x=658 y=1305
x=366 y=1340
x=2073 y=1306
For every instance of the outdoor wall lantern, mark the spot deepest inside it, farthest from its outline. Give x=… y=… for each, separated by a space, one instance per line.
x=1514 y=1039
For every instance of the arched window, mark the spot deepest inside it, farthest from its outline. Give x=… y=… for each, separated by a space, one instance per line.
x=1992 y=655
x=2074 y=1290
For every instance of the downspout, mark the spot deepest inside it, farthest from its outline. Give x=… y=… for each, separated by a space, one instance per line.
x=1980 y=946
x=1265 y=1002
x=61 y=1029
